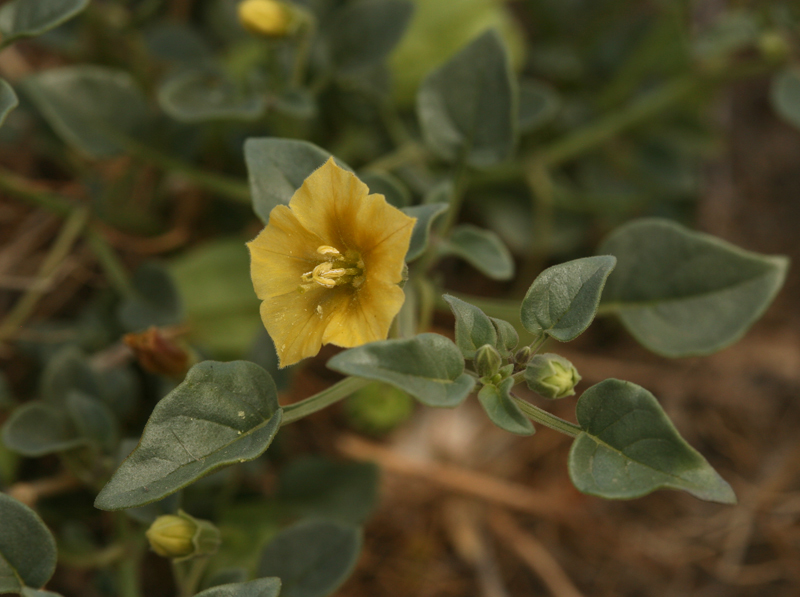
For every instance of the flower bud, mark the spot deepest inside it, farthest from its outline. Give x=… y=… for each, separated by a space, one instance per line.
x=487 y=360
x=269 y=18
x=523 y=355
x=180 y=536
x=551 y=376
x=158 y=351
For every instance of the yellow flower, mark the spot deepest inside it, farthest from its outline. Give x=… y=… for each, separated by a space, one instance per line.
x=266 y=17
x=327 y=267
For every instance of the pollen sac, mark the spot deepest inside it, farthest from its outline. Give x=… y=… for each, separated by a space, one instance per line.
x=551 y=376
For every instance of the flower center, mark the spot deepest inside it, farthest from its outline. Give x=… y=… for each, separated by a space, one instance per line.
x=335 y=269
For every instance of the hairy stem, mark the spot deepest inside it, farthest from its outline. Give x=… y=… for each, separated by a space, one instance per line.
x=538 y=415
x=317 y=402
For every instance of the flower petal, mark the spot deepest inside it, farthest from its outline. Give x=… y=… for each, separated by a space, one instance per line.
x=382 y=234
x=281 y=254
x=365 y=316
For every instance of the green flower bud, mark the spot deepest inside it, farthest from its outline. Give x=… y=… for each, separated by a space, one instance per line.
x=551 y=376
x=487 y=360
x=773 y=46
x=268 y=18
x=180 y=536
x=523 y=355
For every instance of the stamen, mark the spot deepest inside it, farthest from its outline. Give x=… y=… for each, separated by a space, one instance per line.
x=329 y=251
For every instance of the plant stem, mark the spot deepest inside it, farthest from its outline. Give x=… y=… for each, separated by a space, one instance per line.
x=109 y=261
x=317 y=402
x=538 y=415
x=127 y=571
x=303 y=51
x=61 y=248
x=189 y=581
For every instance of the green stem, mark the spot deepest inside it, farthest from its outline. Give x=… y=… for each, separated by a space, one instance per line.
x=110 y=262
x=304 y=50
x=459 y=190
x=226 y=187
x=127 y=569
x=189 y=581
x=538 y=415
x=13 y=185
x=317 y=402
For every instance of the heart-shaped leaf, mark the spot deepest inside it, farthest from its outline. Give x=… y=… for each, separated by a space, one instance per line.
x=8 y=100
x=91 y=107
x=387 y=185
x=68 y=370
x=38 y=428
x=312 y=558
x=468 y=106
x=277 y=168
x=425 y=214
x=682 y=293
x=208 y=95
x=429 y=367
x=27 y=549
x=261 y=587
x=482 y=249
x=507 y=336
x=473 y=327
x=26 y=18
x=503 y=412
x=629 y=448
x=563 y=299
x=220 y=414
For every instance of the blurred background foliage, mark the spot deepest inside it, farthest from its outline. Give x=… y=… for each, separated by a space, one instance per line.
x=131 y=124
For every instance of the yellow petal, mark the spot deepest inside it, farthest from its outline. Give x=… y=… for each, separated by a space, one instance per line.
x=382 y=234
x=281 y=254
x=328 y=203
x=365 y=316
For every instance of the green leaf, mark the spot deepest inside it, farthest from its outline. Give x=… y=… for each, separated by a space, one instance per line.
x=785 y=95
x=28 y=592
x=39 y=428
x=261 y=587
x=154 y=302
x=538 y=105
x=429 y=367
x=342 y=491
x=91 y=107
x=364 y=32
x=27 y=549
x=220 y=414
x=312 y=558
x=563 y=299
x=682 y=293
x=473 y=327
x=68 y=370
x=277 y=168
x=482 y=249
x=93 y=420
x=387 y=185
x=629 y=448
x=26 y=18
x=214 y=283
x=206 y=95
x=468 y=106
x=507 y=336
x=8 y=100
x=425 y=214
x=502 y=411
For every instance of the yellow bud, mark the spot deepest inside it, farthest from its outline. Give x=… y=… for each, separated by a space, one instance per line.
x=269 y=18
x=182 y=536
x=171 y=536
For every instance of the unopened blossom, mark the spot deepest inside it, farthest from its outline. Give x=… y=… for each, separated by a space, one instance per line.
x=327 y=267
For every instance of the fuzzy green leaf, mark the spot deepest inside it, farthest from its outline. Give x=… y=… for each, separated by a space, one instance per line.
x=429 y=367
x=312 y=558
x=261 y=587
x=91 y=107
x=39 y=428
x=682 y=293
x=482 y=249
x=425 y=214
x=473 y=327
x=507 y=336
x=277 y=167
x=563 y=299
x=629 y=448
x=8 y=100
x=503 y=412
x=387 y=185
x=26 y=18
x=785 y=95
x=220 y=414
x=207 y=95
x=469 y=105
x=27 y=548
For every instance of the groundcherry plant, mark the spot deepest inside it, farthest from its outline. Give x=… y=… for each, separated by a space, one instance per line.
x=358 y=224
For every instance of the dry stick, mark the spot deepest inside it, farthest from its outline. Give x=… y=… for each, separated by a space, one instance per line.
x=31 y=492
x=458 y=479
x=534 y=554
x=60 y=250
